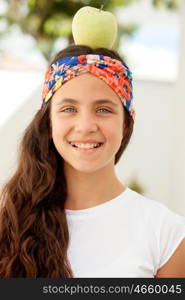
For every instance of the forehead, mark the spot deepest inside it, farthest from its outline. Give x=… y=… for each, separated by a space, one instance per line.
x=85 y=87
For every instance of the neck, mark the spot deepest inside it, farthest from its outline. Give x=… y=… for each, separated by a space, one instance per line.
x=86 y=190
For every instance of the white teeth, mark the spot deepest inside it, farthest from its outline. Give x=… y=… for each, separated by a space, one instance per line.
x=85 y=146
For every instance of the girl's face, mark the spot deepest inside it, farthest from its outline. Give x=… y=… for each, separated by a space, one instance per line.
x=86 y=111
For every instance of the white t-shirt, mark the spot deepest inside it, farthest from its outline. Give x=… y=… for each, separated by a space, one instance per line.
x=128 y=236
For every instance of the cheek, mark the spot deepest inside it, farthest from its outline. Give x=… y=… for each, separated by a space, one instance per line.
x=58 y=127
x=114 y=132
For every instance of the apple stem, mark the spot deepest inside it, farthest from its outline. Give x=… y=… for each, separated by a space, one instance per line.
x=102 y=5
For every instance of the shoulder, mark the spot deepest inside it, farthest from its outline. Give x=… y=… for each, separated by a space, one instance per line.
x=157 y=215
x=147 y=205
x=166 y=232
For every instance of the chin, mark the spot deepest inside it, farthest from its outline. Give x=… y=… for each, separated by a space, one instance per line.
x=88 y=169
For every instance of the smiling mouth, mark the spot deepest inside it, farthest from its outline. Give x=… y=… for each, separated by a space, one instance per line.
x=98 y=145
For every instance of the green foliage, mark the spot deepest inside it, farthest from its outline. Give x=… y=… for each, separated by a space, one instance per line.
x=104 y=2
x=122 y=2
x=57 y=25
x=128 y=29
x=170 y=4
x=48 y=20
x=136 y=186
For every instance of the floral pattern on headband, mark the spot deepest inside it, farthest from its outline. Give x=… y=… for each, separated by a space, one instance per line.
x=115 y=73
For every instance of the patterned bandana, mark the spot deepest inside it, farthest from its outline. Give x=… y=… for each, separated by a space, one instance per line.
x=115 y=73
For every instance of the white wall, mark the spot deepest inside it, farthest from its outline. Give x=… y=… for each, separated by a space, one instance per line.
x=178 y=174
x=149 y=155
x=11 y=132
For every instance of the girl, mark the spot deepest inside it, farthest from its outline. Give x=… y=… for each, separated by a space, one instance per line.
x=64 y=213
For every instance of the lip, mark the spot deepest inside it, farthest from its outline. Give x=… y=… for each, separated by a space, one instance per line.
x=88 y=151
x=86 y=142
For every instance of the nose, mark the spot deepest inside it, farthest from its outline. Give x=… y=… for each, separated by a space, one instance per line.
x=86 y=123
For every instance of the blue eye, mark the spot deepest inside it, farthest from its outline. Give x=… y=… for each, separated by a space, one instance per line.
x=71 y=109
x=105 y=110
x=67 y=108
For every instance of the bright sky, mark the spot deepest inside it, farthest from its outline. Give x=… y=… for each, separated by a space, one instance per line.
x=153 y=50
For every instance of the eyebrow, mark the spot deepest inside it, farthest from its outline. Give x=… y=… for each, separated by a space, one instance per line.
x=74 y=101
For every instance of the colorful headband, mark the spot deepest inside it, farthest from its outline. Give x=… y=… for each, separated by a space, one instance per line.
x=115 y=73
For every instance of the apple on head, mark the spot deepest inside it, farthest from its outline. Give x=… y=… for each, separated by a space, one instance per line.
x=94 y=27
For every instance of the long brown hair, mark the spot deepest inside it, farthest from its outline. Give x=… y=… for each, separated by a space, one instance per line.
x=34 y=233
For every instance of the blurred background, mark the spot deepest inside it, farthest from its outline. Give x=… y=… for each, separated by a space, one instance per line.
x=152 y=41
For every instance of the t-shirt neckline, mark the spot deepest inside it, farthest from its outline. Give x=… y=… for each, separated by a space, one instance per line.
x=100 y=207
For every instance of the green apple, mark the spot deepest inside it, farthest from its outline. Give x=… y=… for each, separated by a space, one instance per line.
x=94 y=27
